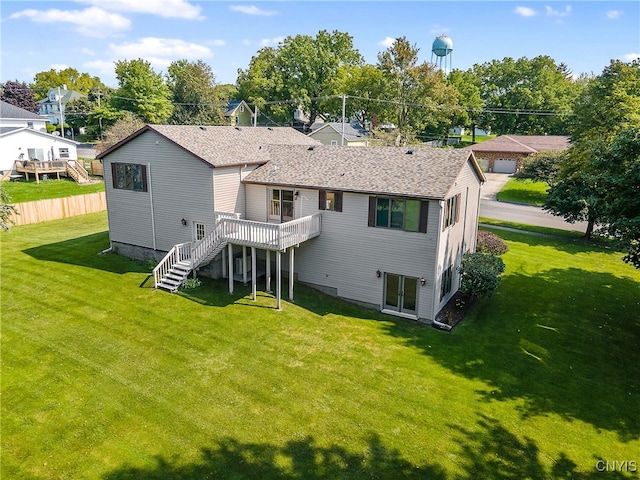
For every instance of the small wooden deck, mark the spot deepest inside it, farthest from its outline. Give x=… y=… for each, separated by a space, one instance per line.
x=49 y=167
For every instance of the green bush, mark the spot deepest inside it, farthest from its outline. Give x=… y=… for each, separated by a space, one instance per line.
x=490 y=243
x=480 y=274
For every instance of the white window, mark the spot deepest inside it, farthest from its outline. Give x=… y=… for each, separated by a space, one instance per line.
x=64 y=153
x=334 y=142
x=451 y=211
x=199 y=230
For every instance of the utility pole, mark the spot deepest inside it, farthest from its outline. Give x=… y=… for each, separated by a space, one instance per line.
x=99 y=94
x=344 y=109
x=61 y=119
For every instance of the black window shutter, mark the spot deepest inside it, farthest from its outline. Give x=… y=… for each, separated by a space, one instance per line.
x=424 y=216
x=338 y=201
x=322 y=200
x=145 y=187
x=372 y=211
x=113 y=175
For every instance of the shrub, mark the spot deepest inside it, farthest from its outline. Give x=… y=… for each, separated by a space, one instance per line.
x=490 y=243
x=480 y=274
x=191 y=283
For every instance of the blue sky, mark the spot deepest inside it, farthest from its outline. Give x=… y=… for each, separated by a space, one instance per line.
x=90 y=35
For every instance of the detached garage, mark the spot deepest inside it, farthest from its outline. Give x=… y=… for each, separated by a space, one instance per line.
x=504 y=154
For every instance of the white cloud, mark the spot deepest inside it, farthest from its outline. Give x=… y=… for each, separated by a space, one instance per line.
x=525 y=12
x=557 y=13
x=101 y=66
x=613 y=14
x=91 y=22
x=252 y=10
x=87 y=51
x=217 y=42
x=160 y=52
x=265 y=42
x=387 y=42
x=162 y=8
x=59 y=66
x=629 y=57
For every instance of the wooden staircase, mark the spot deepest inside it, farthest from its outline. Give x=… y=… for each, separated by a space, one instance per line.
x=175 y=277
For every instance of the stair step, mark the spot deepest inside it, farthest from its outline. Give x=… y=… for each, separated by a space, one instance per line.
x=171 y=288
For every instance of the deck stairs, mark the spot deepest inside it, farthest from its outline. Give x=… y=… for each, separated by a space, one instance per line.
x=174 y=269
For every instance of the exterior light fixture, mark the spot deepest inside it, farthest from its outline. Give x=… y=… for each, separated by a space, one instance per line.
x=378 y=273
x=184 y=222
x=422 y=281
x=296 y=194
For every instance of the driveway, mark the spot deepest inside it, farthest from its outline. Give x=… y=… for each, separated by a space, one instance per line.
x=513 y=212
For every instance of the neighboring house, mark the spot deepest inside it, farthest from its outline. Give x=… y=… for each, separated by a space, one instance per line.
x=57 y=99
x=384 y=226
x=23 y=137
x=479 y=132
x=504 y=154
x=239 y=113
x=337 y=133
x=16 y=117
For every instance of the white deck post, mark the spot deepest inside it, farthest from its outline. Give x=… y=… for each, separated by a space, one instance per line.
x=244 y=264
x=278 y=278
x=268 y=272
x=224 y=263
x=230 y=268
x=291 y=270
x=253 y=273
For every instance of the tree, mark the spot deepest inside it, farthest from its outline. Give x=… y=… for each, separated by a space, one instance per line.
x=142 y=91
x=423 y=100
x=79 y=82
x=470 y=99
x=195 y=97
x=302 y=72
x=480 y=274
x=512 y=88
x=364 y=84
x=129 y=123
x=6 y=209
x=543 y=167
x=20 y=95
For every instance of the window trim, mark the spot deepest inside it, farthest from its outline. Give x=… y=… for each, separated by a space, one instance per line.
x=451 y=212
x=337 y=200
x=143 y=174
x=446 y=282
x=423 y=213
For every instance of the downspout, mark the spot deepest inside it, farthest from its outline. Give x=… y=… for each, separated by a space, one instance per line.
x=153 y=222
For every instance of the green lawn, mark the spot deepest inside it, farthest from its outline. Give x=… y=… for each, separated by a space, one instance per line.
x=104 y=377
x=524 y=191
x=27 y=191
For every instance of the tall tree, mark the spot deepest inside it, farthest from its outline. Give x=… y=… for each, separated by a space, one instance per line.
x=196 y=99
x=80 y=82
x=303 y=71
x=142 y=91
x=513 y=89
x=471 y=103
x=127 y=124
x=20 y=95
x=423 y=100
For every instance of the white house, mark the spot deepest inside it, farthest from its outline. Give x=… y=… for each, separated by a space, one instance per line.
x=383 y=226
x=23 y=137
x=337 y=133
x=55 y=103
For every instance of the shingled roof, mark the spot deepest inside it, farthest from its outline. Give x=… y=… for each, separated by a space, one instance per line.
x=415 y=172
x=11 y=111
x=222 y=146
x=526 y=144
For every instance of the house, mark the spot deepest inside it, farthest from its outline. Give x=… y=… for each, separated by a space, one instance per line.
x=383 y=226
x=239 y=113
x=16 y=117
x=23 y=137
x=56 y=102
x=504 y=154
x=337 y=133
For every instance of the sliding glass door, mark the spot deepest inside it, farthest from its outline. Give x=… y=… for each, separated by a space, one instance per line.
x=401 y=293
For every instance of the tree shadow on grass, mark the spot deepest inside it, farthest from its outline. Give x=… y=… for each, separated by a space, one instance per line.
x=85 y=252
x=566 y=341
x=487 y=450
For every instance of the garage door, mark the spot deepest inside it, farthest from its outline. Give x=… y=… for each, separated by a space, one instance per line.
x=504 y=165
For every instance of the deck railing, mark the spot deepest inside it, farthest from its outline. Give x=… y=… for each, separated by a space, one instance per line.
x=179 y=253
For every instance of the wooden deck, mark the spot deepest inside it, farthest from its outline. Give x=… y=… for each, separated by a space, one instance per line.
x=50 y=167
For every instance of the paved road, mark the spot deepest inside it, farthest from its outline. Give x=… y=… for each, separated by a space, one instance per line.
x=512 y=212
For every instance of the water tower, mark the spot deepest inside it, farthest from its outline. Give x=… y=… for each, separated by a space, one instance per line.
x=442 y=48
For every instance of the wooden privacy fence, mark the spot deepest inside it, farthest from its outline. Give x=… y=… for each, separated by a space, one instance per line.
x=57 y=208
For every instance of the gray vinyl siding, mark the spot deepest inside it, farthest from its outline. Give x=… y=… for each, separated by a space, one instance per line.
x=461 y=237
x=229 y=192
x=181 y=187
x=256 y=203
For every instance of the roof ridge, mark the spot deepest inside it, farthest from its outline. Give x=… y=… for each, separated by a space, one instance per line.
x=520 y=143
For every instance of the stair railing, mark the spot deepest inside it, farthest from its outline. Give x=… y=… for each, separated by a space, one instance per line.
x=178 y=253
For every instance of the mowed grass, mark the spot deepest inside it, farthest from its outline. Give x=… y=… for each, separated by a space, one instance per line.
x=523 y=191
x=28 y=191
x=104 y=377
